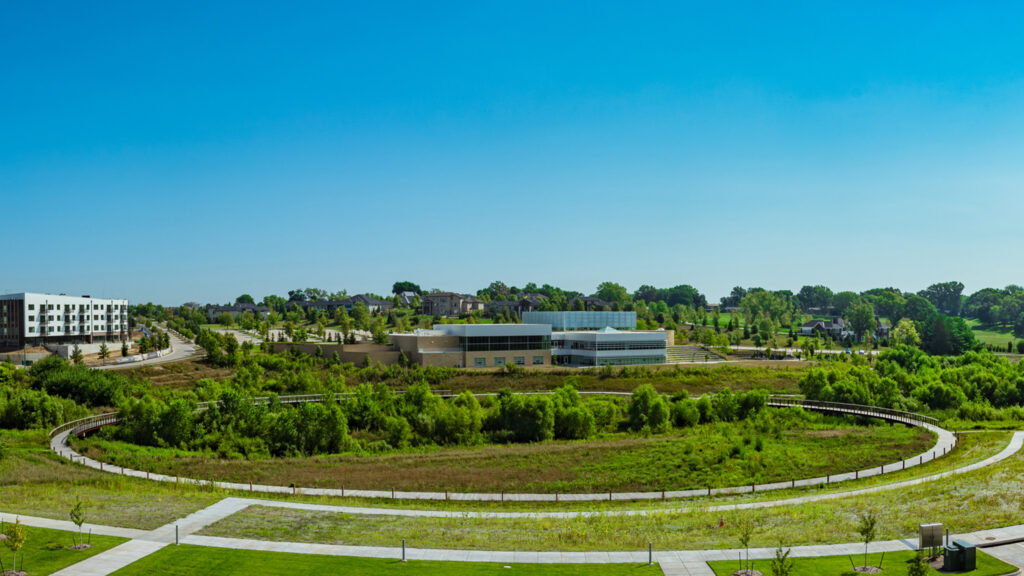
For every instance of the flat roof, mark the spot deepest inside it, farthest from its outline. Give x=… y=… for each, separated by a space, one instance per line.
x=477 y=330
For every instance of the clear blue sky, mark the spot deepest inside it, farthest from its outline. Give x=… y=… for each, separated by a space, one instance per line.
x=195 y=151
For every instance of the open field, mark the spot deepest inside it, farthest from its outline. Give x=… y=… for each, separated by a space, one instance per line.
x=992 y=335
x=46 y=550
x=894 y=564
x=178 y=376
x=713 y=455
x=201 y=561
x=36 y=482
x=985 y=498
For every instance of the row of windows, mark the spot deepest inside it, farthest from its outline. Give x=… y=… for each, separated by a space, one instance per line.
x=500 y=361
x=81 y=307
x=577 y=345
x=98 y=328
x=504 y=343
x=81 y=317
x=624 y=361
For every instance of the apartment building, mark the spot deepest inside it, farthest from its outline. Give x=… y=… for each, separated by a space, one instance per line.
x=31 y=319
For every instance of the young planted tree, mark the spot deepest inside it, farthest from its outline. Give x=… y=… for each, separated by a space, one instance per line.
x=782 y=564
x=76 y=355
x=15 y=540
x=867 y=527
x=104 y=352
x=124 y=348
x=78 y=518
x=747 y=527
x=918 y=566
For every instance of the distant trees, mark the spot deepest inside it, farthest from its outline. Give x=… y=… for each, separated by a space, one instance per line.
x=905 y=333
x=614 y=293
x=406 y=286
x=862 y=318
x=244 y=299
x=226 y=319
x=815 y=297
x=945 y=297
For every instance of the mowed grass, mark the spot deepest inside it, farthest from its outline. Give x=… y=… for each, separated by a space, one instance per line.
x=36 y=482
x=992 y=335
x=46 y=551
x=893 y=564
x=986 y=498
x=188 y=560
x=714 y=455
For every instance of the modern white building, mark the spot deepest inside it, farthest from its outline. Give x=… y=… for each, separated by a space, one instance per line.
x=30 y=319
x=609 y=347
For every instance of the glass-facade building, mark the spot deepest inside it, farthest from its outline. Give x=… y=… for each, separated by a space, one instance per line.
x=608 y=347
x=579 y=320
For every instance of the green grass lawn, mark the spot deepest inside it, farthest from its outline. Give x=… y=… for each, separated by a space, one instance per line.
x=46 y=550
x=200 y=561
x=894 y=564
x=992 y=335
x=713 y=455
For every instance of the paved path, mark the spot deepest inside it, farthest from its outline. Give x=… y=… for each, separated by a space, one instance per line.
x=675 y=563
x=180 y=350
x=944 y=443
x=1016 y=443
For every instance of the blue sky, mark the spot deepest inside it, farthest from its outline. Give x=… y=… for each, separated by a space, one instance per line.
x=194 y=151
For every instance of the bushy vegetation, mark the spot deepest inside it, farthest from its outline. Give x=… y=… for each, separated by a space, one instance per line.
x=972 y=386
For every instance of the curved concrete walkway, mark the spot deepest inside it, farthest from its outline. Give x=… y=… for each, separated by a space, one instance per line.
x=1014 y=446
x=944 y=443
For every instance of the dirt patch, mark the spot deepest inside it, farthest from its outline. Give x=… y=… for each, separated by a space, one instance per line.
x=747 y=572
x=14 y=572
x=867 y=569
x=80 y=547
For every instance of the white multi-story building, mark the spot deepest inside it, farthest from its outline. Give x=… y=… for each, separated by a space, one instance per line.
x=609 y=347
x=29 y=319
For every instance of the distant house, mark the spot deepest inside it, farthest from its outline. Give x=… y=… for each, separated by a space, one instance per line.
x=405 y=298
x=528 y=303
x=450 y=304
x=328 y=307
x=836 y=328
x=590 y=303
x=236 y=311
x=375 y=305
x=882 y=331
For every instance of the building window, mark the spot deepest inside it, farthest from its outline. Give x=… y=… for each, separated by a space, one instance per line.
x=478 y=362
x=50 y=329
x=538 y=360
x=499 y=361
x=31 y=306
x=32 y=329
x=519 y=360
x=31 y=318
x=49 y=306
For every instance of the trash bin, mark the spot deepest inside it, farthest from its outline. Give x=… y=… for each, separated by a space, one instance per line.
x=953 y=561
x=969 y=555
